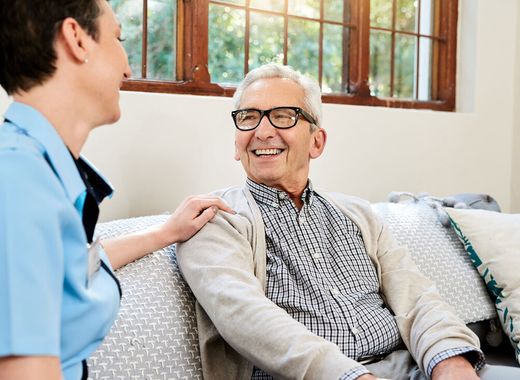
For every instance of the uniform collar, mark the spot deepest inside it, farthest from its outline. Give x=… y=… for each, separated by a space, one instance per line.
x=34 y=124
x=273 y=197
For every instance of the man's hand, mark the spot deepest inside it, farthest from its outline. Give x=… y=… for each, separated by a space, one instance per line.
x=454 y=368
x=367 y=376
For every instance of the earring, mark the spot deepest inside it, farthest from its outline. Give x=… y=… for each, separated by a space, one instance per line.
x=85 y=60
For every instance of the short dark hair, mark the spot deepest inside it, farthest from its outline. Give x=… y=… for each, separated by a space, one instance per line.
x=27 y=35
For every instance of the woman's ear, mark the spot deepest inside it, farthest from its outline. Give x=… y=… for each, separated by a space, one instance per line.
x=74 y=39
x=318 y=141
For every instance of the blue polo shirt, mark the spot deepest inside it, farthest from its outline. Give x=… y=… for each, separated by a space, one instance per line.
x=49 y=304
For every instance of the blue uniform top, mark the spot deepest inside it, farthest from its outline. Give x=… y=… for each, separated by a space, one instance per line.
x=50 y=303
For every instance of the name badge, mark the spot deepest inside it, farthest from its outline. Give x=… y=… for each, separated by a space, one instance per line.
x=94 y=260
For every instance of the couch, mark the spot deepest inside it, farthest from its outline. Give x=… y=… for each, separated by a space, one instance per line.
x=155 y=335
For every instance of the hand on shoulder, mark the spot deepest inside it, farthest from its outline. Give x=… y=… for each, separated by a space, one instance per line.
x=191 y=215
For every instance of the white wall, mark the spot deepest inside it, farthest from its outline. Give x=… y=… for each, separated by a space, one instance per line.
x=515 y=170
x=168 y=146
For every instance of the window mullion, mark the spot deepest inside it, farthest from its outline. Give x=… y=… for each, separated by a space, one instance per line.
x=195 y=40
x=144 y=41
x=360 y=48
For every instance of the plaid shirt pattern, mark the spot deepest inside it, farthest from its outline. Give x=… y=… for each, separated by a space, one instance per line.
x=319 y=273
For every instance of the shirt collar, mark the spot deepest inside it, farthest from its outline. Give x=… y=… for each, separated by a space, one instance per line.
x=273 y=197
x=56 y=152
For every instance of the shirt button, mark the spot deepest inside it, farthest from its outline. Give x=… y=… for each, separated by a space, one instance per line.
x=316 y=256
x=354 y=330
x=334 y=291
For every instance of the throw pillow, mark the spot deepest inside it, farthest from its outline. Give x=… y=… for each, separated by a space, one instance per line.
x=492 y=241
x=438 y=253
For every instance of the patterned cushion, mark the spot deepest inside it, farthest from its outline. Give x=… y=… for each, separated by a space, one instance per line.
x=492 y=240
x=155 y=335
x=440 y=256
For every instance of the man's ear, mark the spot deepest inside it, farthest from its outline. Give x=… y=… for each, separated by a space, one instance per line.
x=237 y=153
x=74 y=39
x=318 y=140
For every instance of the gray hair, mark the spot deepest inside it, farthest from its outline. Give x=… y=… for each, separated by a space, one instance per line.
x=311 y=89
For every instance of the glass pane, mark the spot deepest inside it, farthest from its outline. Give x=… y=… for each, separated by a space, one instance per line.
x=379 y=77
x=333 y=10
x=333 y=58
x=406 y=15
x=307 y=8
x=270 y=5
x=303 y=49
x=226 y=44
x=404 y=66
x=265 y=39
x=130 y=15
x=162 y=26
x=425 y=69
x=427 y=13
x=381 y=13
x=239 y=2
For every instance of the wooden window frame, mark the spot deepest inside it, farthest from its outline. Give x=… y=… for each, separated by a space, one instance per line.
x=192 y=59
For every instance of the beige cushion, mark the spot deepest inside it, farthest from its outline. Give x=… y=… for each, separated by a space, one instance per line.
x=493 y=242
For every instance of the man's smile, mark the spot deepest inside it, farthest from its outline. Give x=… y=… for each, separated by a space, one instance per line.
x=267 y=152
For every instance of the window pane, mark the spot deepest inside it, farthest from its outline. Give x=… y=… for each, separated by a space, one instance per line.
x=333 y=10
x=162 y=21
x=425 y=69
x=379 y=77
x=265 y=39
x=381 y=13
x=226 y=44
x=307 y=8
x=239 y=2
x=271 y=5
x=303 y=47
x=333 y=58
x=404 y=67
x=427 y=13
x=130 y=15
x=406 y=15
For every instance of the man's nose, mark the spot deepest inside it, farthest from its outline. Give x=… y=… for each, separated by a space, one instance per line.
x=265 y=129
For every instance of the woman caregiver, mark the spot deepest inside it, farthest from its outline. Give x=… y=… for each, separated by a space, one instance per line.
x=63 y=63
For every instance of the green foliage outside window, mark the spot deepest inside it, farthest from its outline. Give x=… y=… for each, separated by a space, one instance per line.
x=226 y=45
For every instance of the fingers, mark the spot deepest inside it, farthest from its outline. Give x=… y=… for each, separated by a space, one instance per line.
x=206 y=216
x=203 y=202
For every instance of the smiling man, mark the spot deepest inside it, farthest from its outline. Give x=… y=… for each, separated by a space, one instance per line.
x=302 y=284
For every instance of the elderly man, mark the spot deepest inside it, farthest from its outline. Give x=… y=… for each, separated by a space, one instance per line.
x=303 y=284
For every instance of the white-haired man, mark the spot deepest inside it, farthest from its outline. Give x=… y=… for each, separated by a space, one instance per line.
x=301 y=284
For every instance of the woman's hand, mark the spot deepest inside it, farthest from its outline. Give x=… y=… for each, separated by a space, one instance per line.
x=191 y=215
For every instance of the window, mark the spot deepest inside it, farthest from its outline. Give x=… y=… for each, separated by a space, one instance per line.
x=397 y=53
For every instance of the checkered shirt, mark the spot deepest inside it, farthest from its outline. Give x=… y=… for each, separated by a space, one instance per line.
x=319 y=272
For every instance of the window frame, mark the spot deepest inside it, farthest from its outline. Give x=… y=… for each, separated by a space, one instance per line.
x=192 y=59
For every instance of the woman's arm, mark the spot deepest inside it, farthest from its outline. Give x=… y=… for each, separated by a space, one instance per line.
x=30 y=367
x=191 y=215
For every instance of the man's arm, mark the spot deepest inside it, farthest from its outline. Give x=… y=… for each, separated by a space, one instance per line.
x=218 y=265
x=454 y=368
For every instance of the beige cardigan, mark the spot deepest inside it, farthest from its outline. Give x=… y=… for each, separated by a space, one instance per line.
x=225 y=266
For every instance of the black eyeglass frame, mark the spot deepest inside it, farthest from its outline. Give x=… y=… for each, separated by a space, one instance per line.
x=299 y=111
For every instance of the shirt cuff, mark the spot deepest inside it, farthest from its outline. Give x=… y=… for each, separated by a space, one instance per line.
x=473 y=355
x=354 y=373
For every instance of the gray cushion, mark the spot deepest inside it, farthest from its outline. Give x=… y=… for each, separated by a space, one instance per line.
x=155 y=335
x=440 y=256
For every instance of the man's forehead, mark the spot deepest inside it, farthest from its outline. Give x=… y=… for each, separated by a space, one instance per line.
x=274 y=91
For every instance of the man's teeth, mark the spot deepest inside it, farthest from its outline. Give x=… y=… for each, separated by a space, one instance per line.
x=260 y=152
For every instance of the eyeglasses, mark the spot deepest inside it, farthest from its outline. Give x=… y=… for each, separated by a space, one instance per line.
x=279 y=117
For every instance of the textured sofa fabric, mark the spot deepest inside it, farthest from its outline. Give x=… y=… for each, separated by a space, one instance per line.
x=155 y=335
